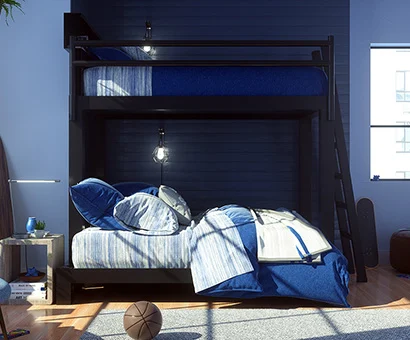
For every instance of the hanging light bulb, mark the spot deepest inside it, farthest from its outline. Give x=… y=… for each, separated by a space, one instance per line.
x=148 y=36
x=160 y=154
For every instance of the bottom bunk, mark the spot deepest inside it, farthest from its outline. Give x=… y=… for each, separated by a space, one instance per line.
x=219 y=253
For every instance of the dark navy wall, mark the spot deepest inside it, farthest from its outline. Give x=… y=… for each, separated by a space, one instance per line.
x=211 y=163
x=251 y=163
x=228 y=19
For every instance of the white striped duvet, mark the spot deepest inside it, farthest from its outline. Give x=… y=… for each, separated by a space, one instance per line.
x=95 y=248
x=218 y=253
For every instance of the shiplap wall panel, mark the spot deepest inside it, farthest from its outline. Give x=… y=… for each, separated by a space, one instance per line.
x=228 y=19
x=223 y=19
x=211 y=163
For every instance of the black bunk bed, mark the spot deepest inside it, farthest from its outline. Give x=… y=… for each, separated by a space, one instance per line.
x=86 y=155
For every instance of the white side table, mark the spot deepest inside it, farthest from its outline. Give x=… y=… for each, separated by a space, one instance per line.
x=55 y=259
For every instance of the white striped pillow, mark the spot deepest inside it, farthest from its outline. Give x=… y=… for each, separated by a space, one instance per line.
x=146 y=214
x=171 y=197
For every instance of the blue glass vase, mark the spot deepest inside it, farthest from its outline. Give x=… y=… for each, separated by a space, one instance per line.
x=31 y=223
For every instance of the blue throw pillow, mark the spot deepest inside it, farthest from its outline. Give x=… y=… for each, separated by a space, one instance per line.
x=109 y=53
x=130 y=188
x=95 y=201
x=245 y=285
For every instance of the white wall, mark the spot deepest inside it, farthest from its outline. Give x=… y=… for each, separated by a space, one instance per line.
x=382 y=21
x=33 y=114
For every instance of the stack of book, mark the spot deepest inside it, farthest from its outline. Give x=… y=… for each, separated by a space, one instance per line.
x=28 y=291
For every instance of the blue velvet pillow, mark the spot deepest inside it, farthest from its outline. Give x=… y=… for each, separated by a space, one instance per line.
x=109 y=53
x=131 y=188
x=95 y=200
x=245 y=285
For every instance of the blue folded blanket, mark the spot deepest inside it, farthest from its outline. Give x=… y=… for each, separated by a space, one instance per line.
x=325 y=282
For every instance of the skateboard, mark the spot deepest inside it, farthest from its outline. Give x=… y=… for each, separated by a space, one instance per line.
x=15 y=333
x=6 y=209
x=368 y=235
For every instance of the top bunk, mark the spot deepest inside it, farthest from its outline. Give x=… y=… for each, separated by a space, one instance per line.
x=117 y=78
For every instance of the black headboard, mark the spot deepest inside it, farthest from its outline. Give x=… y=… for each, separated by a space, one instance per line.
x=76 y=25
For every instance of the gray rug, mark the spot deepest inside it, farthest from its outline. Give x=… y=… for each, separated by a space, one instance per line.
x=237 y=324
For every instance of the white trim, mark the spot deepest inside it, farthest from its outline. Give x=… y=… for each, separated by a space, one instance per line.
x=34 y=180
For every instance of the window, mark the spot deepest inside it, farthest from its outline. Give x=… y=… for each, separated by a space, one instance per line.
x=403 y=86
x=390 y=112
x=403 y=174
x=403 y=137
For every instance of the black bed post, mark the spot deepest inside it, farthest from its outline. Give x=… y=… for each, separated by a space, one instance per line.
x=332 y=78
x=77 y=138
x=76 y=172
x=327 y=166
x=72 y=79
x=305 y=167
x=64 y=287
x=326 y=176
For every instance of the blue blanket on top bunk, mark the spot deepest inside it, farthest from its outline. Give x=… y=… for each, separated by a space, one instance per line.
x=204 y=81
x=326 y=281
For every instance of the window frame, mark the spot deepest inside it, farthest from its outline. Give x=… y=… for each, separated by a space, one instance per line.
x=404 y=92
x=406 y=123
x=405 y=173
x=406 y=136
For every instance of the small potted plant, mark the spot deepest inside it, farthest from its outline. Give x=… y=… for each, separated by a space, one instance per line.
x=39 y=229
x=7 y=7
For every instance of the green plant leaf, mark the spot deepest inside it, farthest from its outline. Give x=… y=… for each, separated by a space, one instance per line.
x=40 y=225
x=7 y=6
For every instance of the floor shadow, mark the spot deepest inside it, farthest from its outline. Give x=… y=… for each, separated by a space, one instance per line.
x=183 y=293
x=165 y=336
x=398 y=333
x=178 y=336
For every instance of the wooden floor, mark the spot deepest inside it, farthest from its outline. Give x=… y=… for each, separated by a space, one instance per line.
x=384 y=289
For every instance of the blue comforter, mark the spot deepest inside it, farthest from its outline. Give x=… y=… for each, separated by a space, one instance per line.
x=325 y=282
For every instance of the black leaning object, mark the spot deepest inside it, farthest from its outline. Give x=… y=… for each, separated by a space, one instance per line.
x=367 y=225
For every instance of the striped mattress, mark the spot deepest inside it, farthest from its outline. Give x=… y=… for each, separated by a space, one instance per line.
x=96 y=248
x=204 y=81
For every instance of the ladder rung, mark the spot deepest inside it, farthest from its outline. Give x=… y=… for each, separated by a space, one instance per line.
x=341 y=205
x=345 y=234
x=338 y=175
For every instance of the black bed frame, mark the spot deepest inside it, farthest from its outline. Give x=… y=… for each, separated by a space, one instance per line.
x=93 y=110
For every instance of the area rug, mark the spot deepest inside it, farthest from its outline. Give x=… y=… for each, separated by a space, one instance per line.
x=278 y=324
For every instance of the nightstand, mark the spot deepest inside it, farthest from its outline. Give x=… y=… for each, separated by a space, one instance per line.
x=55 y=259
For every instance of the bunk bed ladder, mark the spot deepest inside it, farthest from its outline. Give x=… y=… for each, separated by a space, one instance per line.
x=343 y=191
x=345 y=203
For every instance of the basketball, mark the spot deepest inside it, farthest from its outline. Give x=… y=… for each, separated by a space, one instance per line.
x=142 y=320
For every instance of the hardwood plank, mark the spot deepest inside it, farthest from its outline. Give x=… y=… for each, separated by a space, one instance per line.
x=384 y=289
